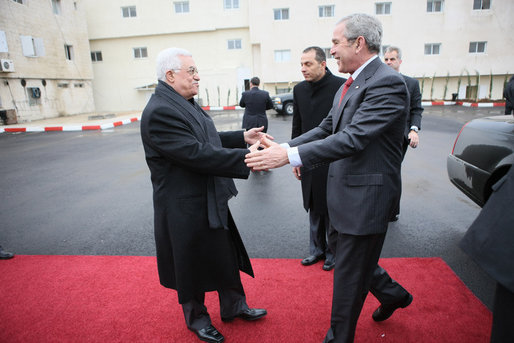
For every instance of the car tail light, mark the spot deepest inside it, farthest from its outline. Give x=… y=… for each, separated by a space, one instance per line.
x=457 y=138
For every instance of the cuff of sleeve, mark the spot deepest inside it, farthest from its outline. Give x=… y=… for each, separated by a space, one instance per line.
x=294 y=157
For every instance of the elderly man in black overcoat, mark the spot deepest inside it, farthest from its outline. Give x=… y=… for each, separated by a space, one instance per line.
x=192 y=165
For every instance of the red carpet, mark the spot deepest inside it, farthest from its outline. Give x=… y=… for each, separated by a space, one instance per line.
x=119 y=299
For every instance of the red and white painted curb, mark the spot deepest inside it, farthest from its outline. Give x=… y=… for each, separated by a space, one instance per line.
x=97 y=126
x=462 y=103
x=70 y=127
x=222 y=108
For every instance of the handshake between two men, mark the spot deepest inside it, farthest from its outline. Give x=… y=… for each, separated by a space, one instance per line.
x=272 y=155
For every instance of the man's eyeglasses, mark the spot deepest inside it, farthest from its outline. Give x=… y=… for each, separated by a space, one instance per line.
x=191 y=70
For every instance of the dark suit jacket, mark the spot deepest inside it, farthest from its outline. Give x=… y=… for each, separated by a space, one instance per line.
x=414 y=117
x=362 y=138
x=490 y=239
x=190 y=167
x=312 y=102
x=508 y=93
x=255 y=102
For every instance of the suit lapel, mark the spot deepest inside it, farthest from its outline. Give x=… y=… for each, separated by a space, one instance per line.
x=357 y=86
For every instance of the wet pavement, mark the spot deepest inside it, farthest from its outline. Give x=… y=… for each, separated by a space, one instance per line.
x=89 y=193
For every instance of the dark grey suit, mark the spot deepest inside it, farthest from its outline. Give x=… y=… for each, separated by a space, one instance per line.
x=362 y=138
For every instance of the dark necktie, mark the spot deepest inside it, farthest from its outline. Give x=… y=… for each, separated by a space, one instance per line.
x=346 y=86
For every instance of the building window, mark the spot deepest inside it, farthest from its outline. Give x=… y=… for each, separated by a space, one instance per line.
x=56 y=6
x=234 y=44
x=435 y=5
x=382 y=8
x=140 y=52
x=282 y=55
x=68 y=51
x=181 y=6
x=96 y=56
x=477 y=47
x=230 y=4
x=128 y=11
x=3 y=42
x=432 y=49
x=481 y=4
x=32 y=47
x=326 y=11
x=34 y=95
x=281 y=13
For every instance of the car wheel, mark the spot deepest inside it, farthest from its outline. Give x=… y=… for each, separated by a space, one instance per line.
x=288 y=108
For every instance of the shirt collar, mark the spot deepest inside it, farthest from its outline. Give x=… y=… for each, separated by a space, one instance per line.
x=361 y=68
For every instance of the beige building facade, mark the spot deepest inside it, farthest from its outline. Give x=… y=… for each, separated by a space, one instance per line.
x=454 y=48
x=45 y=62
x=460 y=48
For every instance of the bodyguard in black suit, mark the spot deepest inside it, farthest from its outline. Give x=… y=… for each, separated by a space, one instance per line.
x=255 y=102
x=192 y=165
x=393 y=58
x=312 y=100
x=508 y=94
x=362 y=138
x=490 y=243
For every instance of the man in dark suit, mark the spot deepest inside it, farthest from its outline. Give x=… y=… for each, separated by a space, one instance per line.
x=255 y=102
x=508 y=94
x=490 y=243
x=393 y=58
x=192 y=165
x=312 y=100
x=362 y=140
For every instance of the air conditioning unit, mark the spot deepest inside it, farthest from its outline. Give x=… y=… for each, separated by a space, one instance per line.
x=6 y=65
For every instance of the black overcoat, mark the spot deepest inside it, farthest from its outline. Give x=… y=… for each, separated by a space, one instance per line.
x=312 y=102
x=188 y=168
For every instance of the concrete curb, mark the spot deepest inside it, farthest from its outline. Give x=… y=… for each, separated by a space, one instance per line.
x=70 y=127
x=461 y=103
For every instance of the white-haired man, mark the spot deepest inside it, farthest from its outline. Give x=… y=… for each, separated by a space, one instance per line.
x=199 y=248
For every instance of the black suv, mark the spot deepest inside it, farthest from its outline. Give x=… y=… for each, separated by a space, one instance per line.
x=283 y=103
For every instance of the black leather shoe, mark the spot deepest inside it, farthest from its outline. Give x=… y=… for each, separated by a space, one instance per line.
x=385 y=311
x=209 y=334
x=329 y=265
x=250 y=314
x=4 y=255
x=312 y=259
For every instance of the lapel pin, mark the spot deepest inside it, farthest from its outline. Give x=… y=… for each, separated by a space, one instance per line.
x=356 y=87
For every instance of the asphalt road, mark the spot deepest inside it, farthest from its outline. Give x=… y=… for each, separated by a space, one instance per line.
x=89 y=193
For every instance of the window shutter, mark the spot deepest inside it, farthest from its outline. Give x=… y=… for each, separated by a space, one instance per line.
x=27 y=46
x=39 y=46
